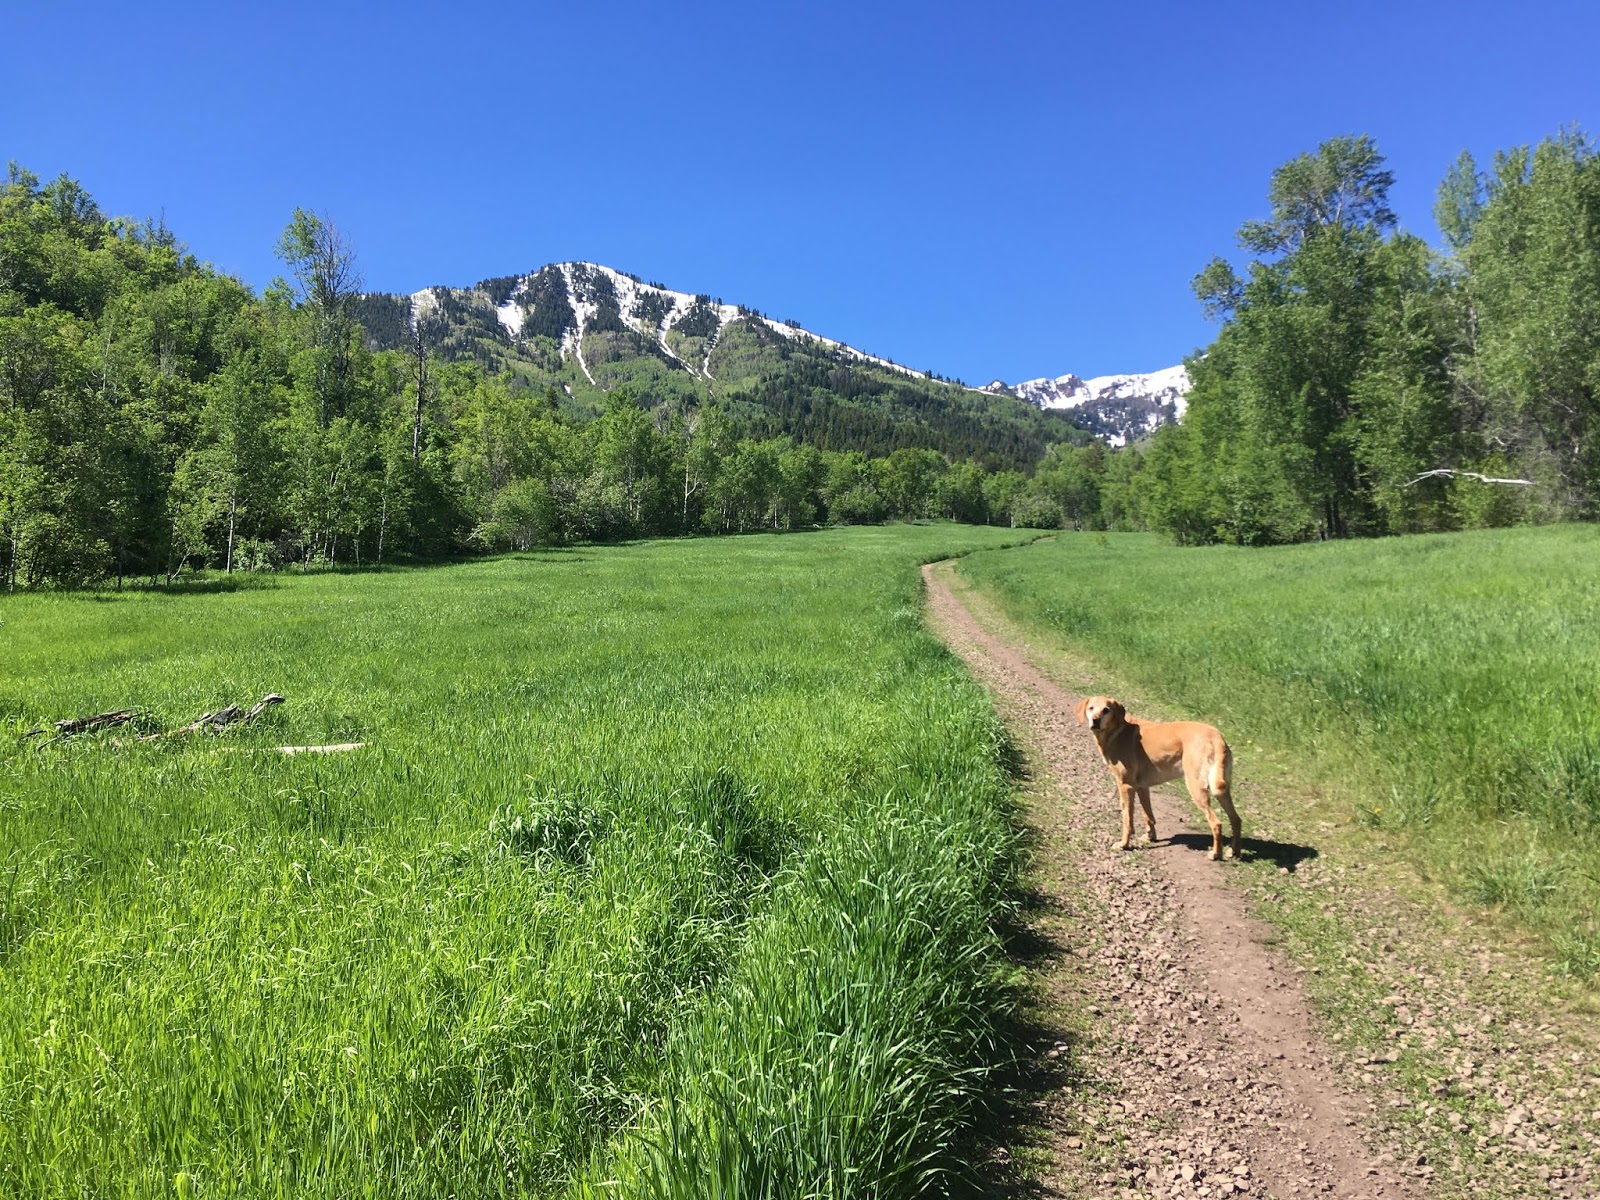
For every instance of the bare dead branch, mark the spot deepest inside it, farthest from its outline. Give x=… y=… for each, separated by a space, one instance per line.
x=1452 y=472
x=266 y=702
x=332 y=748
x=73 y=726
x=222 y=718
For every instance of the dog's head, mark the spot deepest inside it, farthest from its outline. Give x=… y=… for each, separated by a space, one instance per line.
x=1100 y=713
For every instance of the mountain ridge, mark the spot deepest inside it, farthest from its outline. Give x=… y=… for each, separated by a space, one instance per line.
x=591 y=328
x=637 y=303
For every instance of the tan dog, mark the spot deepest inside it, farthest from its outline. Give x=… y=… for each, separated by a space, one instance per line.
x=1142 y=754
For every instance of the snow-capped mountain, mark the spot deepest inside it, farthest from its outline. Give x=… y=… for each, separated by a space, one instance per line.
x=585 y=329
x=1119 y=408
x=598 y=297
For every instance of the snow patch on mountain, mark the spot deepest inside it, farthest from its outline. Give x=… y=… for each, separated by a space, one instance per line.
x=510 y=313
x=680 y=308
x=630 y=291
x=1069 y=391
x=584 y=309
x=422 y=303
x=795 y=331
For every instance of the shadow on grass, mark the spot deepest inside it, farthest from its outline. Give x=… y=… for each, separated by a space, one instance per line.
x=211 y=583
x=205 y=585
x=1286 y=855
x=217 y=583
x=1012 y=759
x=1040 y=1058
x=550 y=554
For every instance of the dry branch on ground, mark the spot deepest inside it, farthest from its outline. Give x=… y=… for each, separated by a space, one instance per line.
x=223 y=717
x=76 y=725
x=231 y=715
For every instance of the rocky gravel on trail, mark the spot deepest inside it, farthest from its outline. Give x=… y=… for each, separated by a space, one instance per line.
x=1201 y=1070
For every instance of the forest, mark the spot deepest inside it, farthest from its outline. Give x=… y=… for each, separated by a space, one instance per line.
x=158 y=417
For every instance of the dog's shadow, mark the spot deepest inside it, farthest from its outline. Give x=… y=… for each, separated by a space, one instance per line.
x=1286 y=856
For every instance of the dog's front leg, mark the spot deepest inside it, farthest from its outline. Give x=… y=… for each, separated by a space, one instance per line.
x=1126 y=794
x=1149 y=813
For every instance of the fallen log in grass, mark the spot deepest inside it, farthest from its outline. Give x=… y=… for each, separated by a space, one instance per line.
x=221 y=719
x=76 y=725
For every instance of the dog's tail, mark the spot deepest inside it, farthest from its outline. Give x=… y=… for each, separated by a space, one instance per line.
x=1222 y=772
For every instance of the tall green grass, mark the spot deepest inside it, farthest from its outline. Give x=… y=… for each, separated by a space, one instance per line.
x=1443 y=686
x=666 y=869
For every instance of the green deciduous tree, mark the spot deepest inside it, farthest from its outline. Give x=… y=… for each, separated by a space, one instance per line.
x=1533 y=288
x=1342 y=186
x=909 y=481
x=1327 y=388
x=322 y=262
x=633 y=461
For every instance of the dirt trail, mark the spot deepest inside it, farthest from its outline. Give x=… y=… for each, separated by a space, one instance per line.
x=1207 y=1076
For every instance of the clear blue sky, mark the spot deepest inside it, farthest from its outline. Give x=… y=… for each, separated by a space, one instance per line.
x=1000 y=189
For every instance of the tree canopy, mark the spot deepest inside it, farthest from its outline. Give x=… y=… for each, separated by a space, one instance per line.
x=1365 y=383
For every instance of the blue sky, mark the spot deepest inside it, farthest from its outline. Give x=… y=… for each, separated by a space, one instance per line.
x=998 y=190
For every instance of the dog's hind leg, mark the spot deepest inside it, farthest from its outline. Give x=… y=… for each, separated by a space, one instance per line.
x=1149 y=813
x=1222 y=788
x=1225 y=799
x=1201 y=795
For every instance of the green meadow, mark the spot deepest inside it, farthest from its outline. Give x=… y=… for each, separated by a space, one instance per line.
x=666 y=869
x=1444 y=689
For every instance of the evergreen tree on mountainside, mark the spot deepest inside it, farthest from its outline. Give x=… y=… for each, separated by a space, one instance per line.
x=384 y=319
x=602 y=293
x=700 y=321
x=546 y=307
x=498 y=289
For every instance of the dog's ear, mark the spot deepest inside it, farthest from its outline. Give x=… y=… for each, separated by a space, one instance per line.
x=1114 y=707
x=1081 y=710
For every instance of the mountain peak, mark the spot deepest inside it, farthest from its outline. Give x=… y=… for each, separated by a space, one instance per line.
x=599 y=298
x=1118 y=408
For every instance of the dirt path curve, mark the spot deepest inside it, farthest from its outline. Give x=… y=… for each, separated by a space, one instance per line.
x=1206 y=1077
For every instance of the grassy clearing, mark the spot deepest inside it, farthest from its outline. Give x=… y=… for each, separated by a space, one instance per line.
x=1442 y=688
x=663 y=864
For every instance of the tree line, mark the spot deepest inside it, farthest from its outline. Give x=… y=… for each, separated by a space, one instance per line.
x=1364 y=383
x=158 y=417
